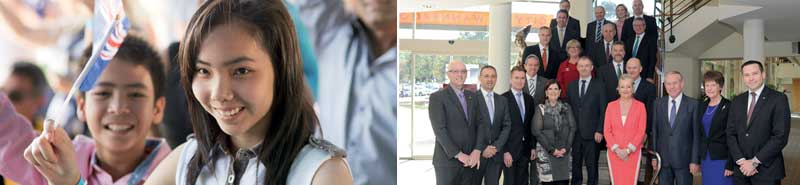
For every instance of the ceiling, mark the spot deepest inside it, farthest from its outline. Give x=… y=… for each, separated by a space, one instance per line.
x=432 y=5
x=781 y=22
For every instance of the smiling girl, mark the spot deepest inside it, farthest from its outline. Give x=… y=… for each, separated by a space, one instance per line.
x=249 y=105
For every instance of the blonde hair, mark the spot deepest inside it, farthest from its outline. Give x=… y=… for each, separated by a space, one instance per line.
x=574 y=43
x=625 y=77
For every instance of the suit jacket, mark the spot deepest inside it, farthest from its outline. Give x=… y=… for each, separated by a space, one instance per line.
x=632 y=133
x=647 y=53
x=589 y=109
x=715 y=142
x=591 y=30
x=520 y=140
x=650 y=29
x=765 y=137
x=540 y=83
x=597 y=52
x=608 y=74
x=554 y=59
x=646 y=93
x=678 y=146
x=573 y=31
x=493 y=132
x=454 y=131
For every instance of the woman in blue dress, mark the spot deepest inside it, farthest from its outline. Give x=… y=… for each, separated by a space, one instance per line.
x=717 y=166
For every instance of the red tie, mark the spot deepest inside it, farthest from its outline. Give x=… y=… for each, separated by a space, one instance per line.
x=544 y=58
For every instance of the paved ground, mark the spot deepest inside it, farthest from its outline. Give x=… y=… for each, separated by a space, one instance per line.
x=420 y=172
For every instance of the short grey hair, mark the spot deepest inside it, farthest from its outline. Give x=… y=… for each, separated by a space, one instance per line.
x=532 y=56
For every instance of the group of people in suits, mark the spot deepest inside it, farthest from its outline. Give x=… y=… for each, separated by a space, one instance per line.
x=566 y=105
x=531 y=135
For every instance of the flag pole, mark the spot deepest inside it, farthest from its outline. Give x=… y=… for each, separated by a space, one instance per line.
x=81 y=77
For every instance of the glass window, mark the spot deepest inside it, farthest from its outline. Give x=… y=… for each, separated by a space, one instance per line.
x=611 y=5
x=783 y=75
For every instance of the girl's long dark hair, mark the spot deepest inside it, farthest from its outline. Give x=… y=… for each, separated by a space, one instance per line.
x=291 y=117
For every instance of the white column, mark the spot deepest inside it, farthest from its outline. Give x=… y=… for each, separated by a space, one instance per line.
x=500 y=43
x=753 y=40
x=583 y=10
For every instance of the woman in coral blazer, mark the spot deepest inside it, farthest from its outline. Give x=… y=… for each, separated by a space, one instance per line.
x=625 y=124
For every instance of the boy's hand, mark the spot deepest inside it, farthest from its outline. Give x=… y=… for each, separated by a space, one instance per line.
x=53 y=155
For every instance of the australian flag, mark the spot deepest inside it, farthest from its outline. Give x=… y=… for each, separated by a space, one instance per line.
x=109 y=27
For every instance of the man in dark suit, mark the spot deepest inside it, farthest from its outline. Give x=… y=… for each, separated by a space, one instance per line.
x=643 y=90
x=587 y=97
x=516 y=156
x=601 y=52
x=534 y=83
x=572 y=22
x=644 y=48
x=599 y=38
x=453 y=114
x=563 y=32
x=534 y=86
x=610 y=73
x=758 y=129
x=549 y=56
x=676 y=134
x=638 y=12
x=494 y=125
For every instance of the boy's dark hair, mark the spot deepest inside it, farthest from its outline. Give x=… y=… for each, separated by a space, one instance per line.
x=136 y=51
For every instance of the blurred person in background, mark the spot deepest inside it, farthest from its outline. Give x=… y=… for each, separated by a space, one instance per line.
x=355 y=41
x=26 y=89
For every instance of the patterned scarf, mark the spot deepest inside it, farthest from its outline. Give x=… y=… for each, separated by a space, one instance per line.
x=557 y=112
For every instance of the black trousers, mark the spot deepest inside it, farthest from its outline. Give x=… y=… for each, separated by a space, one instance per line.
x=517 y=174
x=490 y=170
x=456 y=176
x=585 y=152
x=739 y=179
x=564 y=182
x=679 y=176
x=534 y=173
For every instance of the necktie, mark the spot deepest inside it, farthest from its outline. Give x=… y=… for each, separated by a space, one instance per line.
x=672 y=113
x=636 y=46
x=532 y=86
x=619 y=70
x=463 y=104
x=635 y=85
x=544 y=58
x=752 y=106
x=521 y=107
x=561 y=36
x=491 y=108
x=597 y=33
x=608 y=51
x=583 y=89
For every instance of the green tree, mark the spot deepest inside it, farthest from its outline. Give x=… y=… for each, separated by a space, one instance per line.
x=473 y=35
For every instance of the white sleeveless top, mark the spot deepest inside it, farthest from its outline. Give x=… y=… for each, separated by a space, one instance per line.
x=302 y=172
